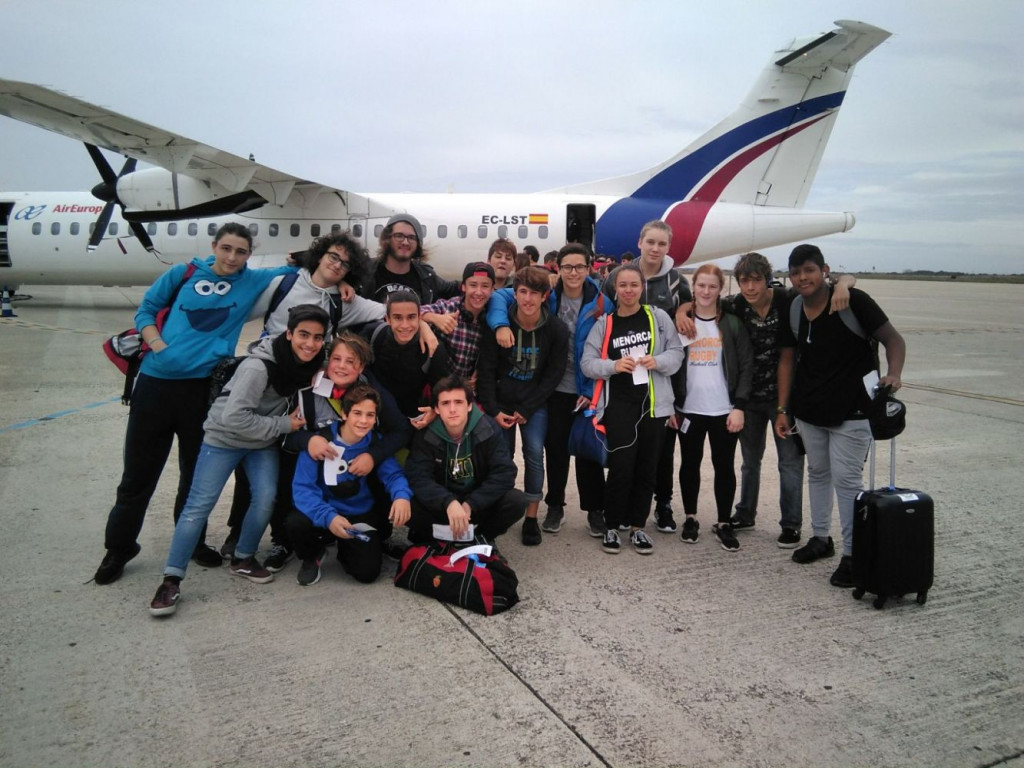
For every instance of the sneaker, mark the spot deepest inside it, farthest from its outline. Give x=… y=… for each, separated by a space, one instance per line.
x=641 y=542
x=206 y=556
x=843 y=575
x=278 y=558
x=553 y=520
x=611 y=543
x=664 y=520
x=726 y=538
x=595 y=523
x=227 y=549
x=814 y=549
x=309 y=571
x=393 y=550
x=739 y=524
x=691 y=530
x=789 y=538
x=113 y=563
x=531 y=532
x=165 y=602
x=250 y=569
x=623 y=526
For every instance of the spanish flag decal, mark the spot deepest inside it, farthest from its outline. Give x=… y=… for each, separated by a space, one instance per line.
x=538 y=218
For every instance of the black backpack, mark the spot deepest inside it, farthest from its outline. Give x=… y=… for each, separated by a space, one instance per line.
x=222 y=373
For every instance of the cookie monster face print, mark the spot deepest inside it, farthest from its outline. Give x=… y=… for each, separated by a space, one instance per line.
x=208 y=319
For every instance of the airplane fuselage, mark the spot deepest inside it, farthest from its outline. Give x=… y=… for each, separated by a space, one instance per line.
x=47 y=232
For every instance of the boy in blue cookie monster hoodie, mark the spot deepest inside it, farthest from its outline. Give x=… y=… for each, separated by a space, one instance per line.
x=331 y=501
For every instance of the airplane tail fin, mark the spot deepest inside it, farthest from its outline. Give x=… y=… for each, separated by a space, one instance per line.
x=766 y=152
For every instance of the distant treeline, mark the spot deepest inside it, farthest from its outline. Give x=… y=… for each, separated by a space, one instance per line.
x=930 y=274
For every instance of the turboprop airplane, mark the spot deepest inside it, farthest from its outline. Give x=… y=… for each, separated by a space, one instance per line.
x=739 y=187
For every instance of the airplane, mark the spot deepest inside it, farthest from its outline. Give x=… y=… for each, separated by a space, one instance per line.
x=739 y=187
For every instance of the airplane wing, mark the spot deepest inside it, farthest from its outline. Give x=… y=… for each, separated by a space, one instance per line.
x=68 y=116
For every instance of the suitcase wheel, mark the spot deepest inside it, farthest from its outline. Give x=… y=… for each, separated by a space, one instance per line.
x=858 y=593
x=922 y=597
x=879 y=602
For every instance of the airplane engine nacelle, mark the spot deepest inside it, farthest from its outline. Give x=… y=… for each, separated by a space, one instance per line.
x=156 y=194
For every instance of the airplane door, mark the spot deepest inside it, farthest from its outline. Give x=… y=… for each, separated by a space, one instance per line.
x=5 y=249
x=579 y=224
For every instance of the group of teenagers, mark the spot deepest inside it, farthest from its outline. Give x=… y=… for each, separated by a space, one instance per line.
x=382 y=395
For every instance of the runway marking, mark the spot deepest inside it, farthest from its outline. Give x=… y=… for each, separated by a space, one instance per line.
x=57 y=415
x=41 y=326
x=962 y=393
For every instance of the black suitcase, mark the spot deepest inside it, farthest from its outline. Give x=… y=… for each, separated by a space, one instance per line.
x=893 y=539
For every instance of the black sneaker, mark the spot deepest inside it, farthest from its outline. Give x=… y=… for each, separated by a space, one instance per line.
x=641 y=542
x=278 y=558
x=165 y=602
x=309 y=571
x=664 y=521
x=595 y=523
x=814 y=549
x=250 y=568
x=691 y=530
x=739 y=524
x=843 y=575
x=789 y=538
x=531 y=532
x=611 y=543
x=726 y=538
x=206 y=556
x=113 y=563
x=393 y=550
x=553 y=520
x=227 y=549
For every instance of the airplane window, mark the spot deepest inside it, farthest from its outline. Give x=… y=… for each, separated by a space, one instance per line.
x=294 y=230
x=211 y=231
x=481 y=232
x=335 y=229
x=503 y=231
x=74 y=228
x=193 y=229
x=273 y=230
x=37 y=228
x=172 y=228
x=442 y=230
x=55 y=228
x=524 y=232
x=254 y=229
x=542 y=232
x=113 y=229
x=377 y=230
x=357 y=230
x=314 y=230
x=463 y=231
x=151 y=228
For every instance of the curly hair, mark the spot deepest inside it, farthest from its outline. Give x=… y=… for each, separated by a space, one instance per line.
x=359 y=259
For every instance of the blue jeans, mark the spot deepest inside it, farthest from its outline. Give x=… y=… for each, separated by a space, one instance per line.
x=756 y=418
x=835 y=464
x=533 y=432
x=213 y=469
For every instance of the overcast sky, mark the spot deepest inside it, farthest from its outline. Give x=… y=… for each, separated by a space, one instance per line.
x=928 y=150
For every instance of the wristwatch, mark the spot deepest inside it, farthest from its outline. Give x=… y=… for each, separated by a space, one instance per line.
x=782 y=409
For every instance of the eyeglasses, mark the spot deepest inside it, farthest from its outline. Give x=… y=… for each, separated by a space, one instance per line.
x=336 y=259
x=583 y=268
x=401 y=238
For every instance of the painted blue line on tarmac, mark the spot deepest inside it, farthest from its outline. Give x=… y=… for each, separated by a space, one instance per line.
x=52 y=416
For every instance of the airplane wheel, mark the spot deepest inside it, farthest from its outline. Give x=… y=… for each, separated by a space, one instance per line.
x=858 y=593
x=879 y=602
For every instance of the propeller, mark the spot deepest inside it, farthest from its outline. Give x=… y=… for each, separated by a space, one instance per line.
x=106 y=190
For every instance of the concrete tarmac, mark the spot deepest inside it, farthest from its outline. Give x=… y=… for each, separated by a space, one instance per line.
x=689 y=657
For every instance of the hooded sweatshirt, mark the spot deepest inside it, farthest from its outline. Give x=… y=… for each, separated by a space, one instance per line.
x=305 y=291
x=252 y=411
x=206 y=319
x=351 y=496
x=522 y=377
x=666 y=290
